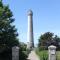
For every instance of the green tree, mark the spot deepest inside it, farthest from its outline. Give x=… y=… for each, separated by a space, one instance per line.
x=23 y=46
x=47 y=39
x=57 y=42
x=8 y=33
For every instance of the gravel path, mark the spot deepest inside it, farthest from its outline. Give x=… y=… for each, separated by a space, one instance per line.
x=33 y=56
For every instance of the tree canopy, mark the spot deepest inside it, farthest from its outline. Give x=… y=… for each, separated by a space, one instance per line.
x=8 y=34
x=48 y=39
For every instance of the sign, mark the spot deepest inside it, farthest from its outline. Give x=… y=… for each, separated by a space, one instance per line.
x=52 y=52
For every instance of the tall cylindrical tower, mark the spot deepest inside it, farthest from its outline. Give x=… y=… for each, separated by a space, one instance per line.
x=30 y=29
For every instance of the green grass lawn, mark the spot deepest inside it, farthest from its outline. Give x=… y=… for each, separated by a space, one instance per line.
x=43 y=55
x=58 y=55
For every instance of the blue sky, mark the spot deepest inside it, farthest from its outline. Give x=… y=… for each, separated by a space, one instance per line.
x=46 y=16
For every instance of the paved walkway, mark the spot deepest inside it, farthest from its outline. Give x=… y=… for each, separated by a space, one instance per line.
x=33 y=56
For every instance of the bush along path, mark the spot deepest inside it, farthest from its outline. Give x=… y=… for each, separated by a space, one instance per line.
x=33 y=56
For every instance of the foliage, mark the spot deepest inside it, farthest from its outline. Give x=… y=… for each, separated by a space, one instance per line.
x=23 y=46
x=23 y=50
x=22 y=55
x=8 y=34
x=42 y=54
x=48 y=39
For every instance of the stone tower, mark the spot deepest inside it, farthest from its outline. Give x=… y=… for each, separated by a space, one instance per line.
x=30 y=30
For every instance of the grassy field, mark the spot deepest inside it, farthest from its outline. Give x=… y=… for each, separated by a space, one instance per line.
x=58 y=55
x=43 y=55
